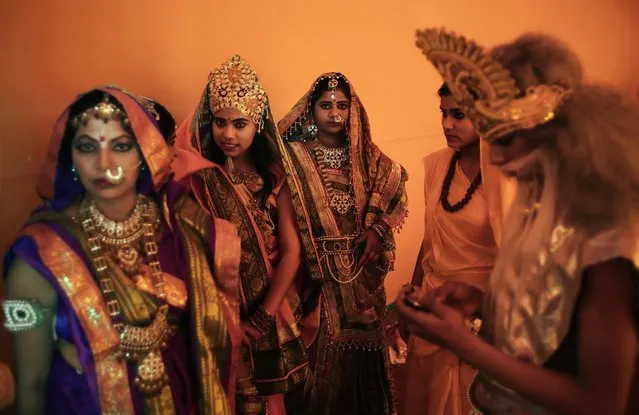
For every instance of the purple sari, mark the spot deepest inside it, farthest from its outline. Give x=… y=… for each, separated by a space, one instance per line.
x=193 y=249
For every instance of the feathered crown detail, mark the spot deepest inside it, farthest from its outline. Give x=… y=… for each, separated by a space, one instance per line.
x=485 y=89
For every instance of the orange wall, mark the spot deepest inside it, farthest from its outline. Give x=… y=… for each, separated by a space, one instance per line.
x=165 y=49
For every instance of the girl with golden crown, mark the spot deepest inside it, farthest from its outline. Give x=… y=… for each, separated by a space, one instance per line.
x=560 y=319
x=355 y=197
x=122 y=294
x=227 y=153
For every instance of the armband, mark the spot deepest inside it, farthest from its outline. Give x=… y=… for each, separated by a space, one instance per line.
x=22 y=315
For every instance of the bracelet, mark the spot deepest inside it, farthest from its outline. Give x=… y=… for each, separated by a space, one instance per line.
x=379 y=229
x=262 y=320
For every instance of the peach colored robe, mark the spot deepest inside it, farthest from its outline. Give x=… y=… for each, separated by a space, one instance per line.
x=458 y=246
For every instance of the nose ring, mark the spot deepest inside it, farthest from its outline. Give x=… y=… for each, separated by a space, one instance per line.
x=115 y=178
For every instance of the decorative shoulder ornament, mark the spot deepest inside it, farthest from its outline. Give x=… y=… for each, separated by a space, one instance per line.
x=486 y=89
x=236 y=85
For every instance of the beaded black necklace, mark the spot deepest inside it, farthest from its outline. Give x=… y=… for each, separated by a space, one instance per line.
x=446 y=187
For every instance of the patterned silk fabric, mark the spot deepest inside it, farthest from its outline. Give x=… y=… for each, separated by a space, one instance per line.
x=351 y=363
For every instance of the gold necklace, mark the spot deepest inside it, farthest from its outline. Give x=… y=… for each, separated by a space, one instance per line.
x=116 y=233
x=335 y=158
x=142 y=345
x=249 y=178
x=124 y=236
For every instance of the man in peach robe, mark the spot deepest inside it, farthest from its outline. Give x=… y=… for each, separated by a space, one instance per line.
x=458 y=245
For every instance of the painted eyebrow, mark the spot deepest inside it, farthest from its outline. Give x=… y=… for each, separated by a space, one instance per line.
x=232 y=120
x=97 y=140
x=330 y=101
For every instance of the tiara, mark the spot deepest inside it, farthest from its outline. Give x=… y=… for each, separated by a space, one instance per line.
x=236 y=85
x=105 y=110
x=485 y=89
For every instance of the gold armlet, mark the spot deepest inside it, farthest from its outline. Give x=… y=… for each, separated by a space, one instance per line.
x=23 y=315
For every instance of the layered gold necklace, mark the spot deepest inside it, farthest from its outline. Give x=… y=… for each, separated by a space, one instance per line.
x=140 y=345
x=335 y=159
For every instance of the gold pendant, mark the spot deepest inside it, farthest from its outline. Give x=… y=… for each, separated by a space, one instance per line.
x=151 y=376
x=128 y=258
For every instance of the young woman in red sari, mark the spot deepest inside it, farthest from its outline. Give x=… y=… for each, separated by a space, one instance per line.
x=355 y=198
x=227 y=153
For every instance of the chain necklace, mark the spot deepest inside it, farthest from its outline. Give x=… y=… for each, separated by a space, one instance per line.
x=142 y=345
x=338 y=249
x=335 y=159
x=249 y=178
x=448 y=181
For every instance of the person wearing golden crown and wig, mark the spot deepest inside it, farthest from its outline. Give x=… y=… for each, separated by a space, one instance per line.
x=122 y=294
x=355 y=198
x=559 y=332
x=227 y=151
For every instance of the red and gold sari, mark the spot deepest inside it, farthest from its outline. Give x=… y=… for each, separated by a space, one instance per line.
x=276 y=365
x=351 y=372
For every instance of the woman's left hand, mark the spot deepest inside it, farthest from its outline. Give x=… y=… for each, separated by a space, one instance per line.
x=249 y=333
x=438 y=323
x=372 y=243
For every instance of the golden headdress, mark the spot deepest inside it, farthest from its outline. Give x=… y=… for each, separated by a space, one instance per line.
x=236 y=85
x=486 y=89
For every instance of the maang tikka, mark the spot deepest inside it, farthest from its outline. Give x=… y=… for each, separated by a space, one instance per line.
x=333 y=83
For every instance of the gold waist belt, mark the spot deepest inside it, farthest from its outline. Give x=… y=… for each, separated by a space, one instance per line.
x=336 y=245
x=343 y=250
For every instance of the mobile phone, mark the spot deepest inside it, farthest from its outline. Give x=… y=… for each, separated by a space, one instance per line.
x=414 y=304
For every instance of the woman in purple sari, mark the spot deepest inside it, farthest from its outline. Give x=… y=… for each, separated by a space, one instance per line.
x=122 y=294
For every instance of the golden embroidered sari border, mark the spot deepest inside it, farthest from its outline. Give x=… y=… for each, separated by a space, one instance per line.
x=85 y=297
x=208 y=319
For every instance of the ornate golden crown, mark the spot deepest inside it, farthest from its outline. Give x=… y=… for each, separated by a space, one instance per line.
x=484 y=88
x=236 y=85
